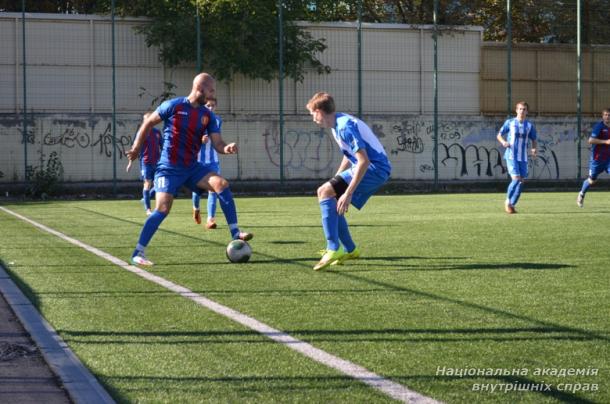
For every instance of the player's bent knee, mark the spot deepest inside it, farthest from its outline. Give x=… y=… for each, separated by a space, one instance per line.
x=325 y=191
x=220 y=185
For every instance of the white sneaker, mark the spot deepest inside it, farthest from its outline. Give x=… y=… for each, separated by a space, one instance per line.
x=580 y=199
x=141 y=259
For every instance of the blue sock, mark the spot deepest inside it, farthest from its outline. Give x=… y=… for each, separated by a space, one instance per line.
x=152 y=192
x=227 y=204
x=344 y=236
x=511 y=190
x=212 y=200
x=146 y=198
x=585 y=187
x=517 y=193
x=148 y=231
x=196 y=200
x=330 y=223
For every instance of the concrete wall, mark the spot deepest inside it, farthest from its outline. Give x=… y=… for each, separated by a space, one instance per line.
x=69 y=101
x=467 y=147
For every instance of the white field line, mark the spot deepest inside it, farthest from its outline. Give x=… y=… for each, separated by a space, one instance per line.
x=388 y=387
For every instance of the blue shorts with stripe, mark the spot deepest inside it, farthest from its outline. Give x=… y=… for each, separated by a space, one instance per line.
x=370 y=183
x=517 y=168
x=597 y=167
x=170 y=179
x=147 y=171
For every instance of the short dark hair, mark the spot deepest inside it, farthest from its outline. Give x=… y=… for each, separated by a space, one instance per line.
x=322 y=101
x=525 y=104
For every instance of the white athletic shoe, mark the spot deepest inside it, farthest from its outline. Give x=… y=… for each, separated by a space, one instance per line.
x=141 y=259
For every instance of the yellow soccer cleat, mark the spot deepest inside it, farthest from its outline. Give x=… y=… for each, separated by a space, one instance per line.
x=348 y=256
x=329 y=258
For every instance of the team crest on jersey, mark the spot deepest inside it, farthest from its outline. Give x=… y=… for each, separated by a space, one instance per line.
x=205 y=120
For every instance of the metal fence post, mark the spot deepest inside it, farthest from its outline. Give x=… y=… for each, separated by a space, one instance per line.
x=25 y=95
x=114 y=149
x=198 y=23
x=359 y=29
x=280 y=30
x=578 y=87
x=509 y=59
x=435 y=86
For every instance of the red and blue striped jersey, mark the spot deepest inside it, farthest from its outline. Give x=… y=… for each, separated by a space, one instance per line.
x=183 y=127
x=151 y=149
x=600 y=152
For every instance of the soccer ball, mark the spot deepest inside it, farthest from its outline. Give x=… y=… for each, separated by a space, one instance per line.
x=238 y=251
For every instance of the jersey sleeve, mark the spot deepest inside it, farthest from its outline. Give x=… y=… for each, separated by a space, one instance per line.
x=533 y=133
x=166 y=109
x=505 y=128
x=597 y=129
x=352 y=137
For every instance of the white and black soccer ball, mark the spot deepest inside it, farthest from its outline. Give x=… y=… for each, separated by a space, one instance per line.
x=239 y=251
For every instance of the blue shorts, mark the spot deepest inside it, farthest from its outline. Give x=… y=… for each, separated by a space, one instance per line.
x=598 y=167
x=147 y=171
x=171 y=179
x=370 y=183
x=213 y=167
x=516 y=168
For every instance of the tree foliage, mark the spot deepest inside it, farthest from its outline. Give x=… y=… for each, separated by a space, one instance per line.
x=241 y=36
x=531 y=20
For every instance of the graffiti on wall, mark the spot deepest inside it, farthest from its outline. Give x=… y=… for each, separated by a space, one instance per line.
x=73 y=135
x=467 y=148
x=304 y=149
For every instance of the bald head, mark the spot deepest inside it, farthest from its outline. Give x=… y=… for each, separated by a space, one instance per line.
x=204 y=87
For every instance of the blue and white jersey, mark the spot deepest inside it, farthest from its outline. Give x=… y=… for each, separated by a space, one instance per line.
x=207 y=154
x=517 y=135
x=351 y=134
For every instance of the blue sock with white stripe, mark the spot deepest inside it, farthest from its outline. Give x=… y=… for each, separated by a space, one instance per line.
x=148 y=231
x=196 y=199
x=227 y=204
x=212 y=201
x=585 y=187
x=344 y=236
x=511 y=190
x=330 y=223
x=517 y=193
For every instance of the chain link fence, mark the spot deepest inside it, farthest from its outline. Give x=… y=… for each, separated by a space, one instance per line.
x=75 y=87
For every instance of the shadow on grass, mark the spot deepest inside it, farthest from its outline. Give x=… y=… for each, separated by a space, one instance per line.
x=382 y=335
x=457 y=267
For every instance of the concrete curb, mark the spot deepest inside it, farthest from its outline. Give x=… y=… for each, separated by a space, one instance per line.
x=78 y=381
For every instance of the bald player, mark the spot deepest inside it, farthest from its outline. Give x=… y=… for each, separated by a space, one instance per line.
x=185 y=121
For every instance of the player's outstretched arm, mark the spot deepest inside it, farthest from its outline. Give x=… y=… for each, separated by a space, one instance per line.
x=220 y=146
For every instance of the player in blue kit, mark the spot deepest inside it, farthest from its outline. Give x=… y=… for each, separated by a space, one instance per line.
x=364 y=169
x=149 y=157
x=518 y=131
x=185 y=119
x=599 y=161
x=209 y=157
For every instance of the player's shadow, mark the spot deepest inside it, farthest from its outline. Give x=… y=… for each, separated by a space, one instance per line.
x=287 y=242
x=385 y=266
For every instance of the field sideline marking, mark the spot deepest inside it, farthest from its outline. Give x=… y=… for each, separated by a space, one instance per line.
x=388 y=387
